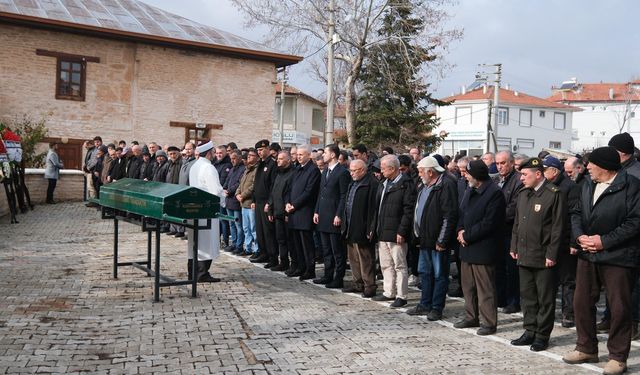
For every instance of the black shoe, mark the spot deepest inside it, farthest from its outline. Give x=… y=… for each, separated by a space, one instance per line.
x=603 y=326
x=179 y=235
x=466 y=324
x=279 y=268
x=456 y=293
x=399 y=302
x=171 y=233
x=382 y=298
x=484 y=331
x=238 y=252
x=207 y=278
x=322 y=280
x=418 y=310
x=260 y=259
x=525 y=339
x=51 y=202
x=434 y=315
x=568 y=323
x=511 y=309
x=230 y=249
x=539 y=345
x=270 y=264
x=335 y=284
x=634 y=331
x=307 y=276
x=369 y=293
x=254 y=256
x=352 y=289
x=294 y=273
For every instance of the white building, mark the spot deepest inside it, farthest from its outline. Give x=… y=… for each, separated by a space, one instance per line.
x=526 y=123
x=304 y=119
x=607 y=109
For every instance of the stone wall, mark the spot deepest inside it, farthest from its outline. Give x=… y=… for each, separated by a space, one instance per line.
x=70 y=187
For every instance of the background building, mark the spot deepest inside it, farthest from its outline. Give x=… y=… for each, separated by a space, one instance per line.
x=526 y=123
x=607 y=109
x=127 y=70
x=304 y=118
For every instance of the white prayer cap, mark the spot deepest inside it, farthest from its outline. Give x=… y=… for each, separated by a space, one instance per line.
x=203 y=148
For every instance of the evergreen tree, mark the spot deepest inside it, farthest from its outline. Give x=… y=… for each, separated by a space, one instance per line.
x=393 y=107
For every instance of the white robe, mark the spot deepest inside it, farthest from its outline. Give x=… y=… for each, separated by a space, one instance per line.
x=204 y=176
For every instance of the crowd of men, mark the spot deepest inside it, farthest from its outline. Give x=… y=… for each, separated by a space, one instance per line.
x=520 y=229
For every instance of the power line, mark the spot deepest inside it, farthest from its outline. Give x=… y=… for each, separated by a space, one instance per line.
x=318 y=50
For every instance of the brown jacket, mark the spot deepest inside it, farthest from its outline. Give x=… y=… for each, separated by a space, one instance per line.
x=246 y=185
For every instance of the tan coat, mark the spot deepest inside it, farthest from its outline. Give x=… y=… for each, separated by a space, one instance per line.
x=246 y=185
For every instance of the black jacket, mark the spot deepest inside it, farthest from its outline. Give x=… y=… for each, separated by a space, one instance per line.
x=331 y=198
x=303 y=195
x=356 y=226
x=395 y=215
x=265 y=175
x=160 y=172
x=231 y=186
x=440 y=215
x=223 y=167
x=279 y=192
x=118 y=168
x=510 y=189
x=571 y=192
x=173 y=171
x=615 y=217
x=133 y=166
x=539 y=231
x=481 y=216
x=146 y=170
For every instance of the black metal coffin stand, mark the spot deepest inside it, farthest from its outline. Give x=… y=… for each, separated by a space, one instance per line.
x=153 y=228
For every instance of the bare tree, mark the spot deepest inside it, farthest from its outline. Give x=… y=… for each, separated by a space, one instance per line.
x=302 y=25
x=631 y=98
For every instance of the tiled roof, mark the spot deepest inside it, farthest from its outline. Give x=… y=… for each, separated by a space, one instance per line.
x=132 y=18
x=288 y=89
x=508 y=97
x=598 y=92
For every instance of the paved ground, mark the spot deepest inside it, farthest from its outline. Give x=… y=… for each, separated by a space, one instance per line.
x=61 y=312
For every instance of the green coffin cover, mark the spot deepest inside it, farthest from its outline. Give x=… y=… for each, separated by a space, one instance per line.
x=157 y=199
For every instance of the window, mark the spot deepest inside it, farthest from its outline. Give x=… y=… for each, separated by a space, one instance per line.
x=503 y=116
x=632 y=114
x=555 y=145
x=503 y=143
x=525 y=117
x=71 y=79
x=463 y=115
x=525 y=142
x=317 y=121
x=559 y=120
x=543 y=113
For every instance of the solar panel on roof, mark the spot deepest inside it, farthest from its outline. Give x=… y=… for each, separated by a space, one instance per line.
x=568 y=86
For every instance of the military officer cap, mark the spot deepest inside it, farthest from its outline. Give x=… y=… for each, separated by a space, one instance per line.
x=262 y=143
x=532 y=163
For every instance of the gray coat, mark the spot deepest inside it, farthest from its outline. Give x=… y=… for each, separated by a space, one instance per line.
x=183 y=179
x=53 y=165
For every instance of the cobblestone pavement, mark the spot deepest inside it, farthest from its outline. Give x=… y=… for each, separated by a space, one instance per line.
x=62 y=312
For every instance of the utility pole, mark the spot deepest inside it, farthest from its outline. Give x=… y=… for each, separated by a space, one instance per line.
x=492 y=129
x=283 y=84
x=328 y=130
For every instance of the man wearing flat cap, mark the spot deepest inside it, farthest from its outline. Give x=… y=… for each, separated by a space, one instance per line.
x=204 y=175
x=480 y=234
x=606 y=225
x=537 y=239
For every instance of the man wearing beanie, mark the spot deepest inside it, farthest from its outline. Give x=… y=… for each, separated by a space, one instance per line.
x=606 y=225
x=623 y=143
x=537 y=239
x=479 y=232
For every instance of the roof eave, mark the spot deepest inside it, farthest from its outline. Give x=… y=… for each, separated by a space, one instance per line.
x=278 y=59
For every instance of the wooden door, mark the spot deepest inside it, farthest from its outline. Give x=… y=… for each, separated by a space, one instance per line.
x=71 y=155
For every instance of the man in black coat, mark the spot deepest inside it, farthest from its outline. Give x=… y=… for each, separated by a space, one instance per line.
x=222 y=163
x=134 y=162
x=567 y=262
x=606 y=225
x=481 y=237
x=277 y=214
x=392 y=229
x=118 y=167
x=300 y=206
x=265 y=175
x=359 y=213
x=434 y=226
x=334 y=182
x=507 y=280
x=161 y=168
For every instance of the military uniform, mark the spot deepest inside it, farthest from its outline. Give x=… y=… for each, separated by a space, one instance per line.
x=538 y=234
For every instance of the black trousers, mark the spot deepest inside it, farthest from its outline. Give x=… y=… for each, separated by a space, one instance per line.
x=305 y=251
x=284 y=238
x=413 y=256
x=334 y=251
x=50 y=188
x=507 y=274
x=537 y=289
x=566 y=281
x=265 y=231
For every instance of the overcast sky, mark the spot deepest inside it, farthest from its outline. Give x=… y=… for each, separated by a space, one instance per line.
x=539 y=43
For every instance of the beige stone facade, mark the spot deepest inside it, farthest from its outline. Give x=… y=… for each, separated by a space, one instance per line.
x=136 y=90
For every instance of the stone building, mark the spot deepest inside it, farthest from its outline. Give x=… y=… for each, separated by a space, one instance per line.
x=129 y=71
